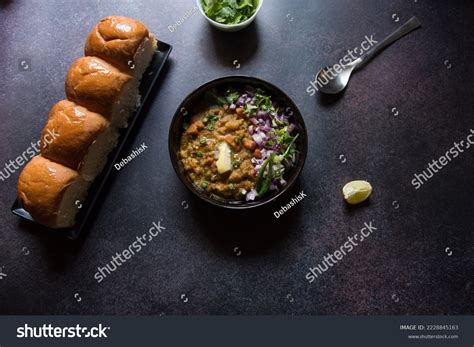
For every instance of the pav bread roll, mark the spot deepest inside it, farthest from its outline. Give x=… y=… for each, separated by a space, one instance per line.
x=102 y=91
x=123 y=42
x=48 y=191
x=84 y=138
x=101 y=87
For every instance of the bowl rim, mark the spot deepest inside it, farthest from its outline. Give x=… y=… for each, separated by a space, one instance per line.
x=222 y=25
x=252 y=204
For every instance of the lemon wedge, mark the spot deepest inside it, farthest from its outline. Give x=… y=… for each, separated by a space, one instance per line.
x=356 y=192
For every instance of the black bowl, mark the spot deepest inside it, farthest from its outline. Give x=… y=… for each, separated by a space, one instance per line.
x=185 y=111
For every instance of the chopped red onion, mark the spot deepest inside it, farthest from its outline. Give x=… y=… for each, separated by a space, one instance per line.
x=251 y=195
x=259 y=138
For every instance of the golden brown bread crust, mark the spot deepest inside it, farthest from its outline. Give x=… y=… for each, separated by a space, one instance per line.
x=116 y=39
x=95 y=84
x=41 y=187
x=76 y=129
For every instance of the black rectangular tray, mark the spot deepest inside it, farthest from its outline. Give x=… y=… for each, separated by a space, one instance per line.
x=148 y=81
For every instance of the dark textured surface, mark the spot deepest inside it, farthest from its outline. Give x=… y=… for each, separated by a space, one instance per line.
x=403 y=268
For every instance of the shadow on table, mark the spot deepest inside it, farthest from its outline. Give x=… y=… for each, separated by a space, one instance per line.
x=59 y=251
x=253 y=231
x=327 y=100
x=232 y=47
x=5 y=3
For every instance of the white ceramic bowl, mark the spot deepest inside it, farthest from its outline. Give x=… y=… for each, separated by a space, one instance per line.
x=230 y=27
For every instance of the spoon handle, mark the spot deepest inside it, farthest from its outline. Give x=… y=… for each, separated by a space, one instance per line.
x=412 y=24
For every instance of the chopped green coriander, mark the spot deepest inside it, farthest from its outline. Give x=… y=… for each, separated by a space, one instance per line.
x=231 y=96
x=248 y=108
x=263 y=101
x=229 y=11
x=262 y=184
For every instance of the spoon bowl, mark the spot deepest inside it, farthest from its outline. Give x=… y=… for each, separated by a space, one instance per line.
x=330 y=82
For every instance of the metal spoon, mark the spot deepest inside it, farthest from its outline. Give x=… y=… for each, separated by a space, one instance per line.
x=336 y=83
